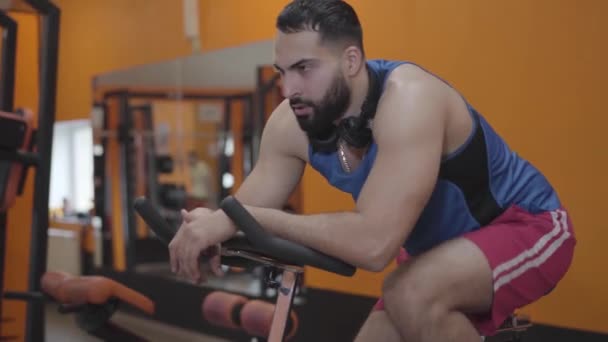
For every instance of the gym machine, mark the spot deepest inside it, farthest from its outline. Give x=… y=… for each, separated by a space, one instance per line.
x=17 y=141
x=127 y=135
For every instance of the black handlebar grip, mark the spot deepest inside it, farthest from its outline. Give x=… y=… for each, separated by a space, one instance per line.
x=150 y=215
x=278 y=248
x=244 y=220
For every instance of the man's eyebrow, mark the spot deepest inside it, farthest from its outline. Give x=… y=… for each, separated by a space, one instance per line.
x=296 y=64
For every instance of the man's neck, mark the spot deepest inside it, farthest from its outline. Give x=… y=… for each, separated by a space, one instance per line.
x=359 y=93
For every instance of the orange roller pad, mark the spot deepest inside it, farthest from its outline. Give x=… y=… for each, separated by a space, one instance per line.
x=218 y=308
x=51 y=281
x=256 y=319
x=76 y=290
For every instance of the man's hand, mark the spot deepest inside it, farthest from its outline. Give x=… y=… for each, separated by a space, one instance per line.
x=201 y=233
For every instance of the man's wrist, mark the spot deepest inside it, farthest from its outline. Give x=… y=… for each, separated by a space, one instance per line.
x=228 y=222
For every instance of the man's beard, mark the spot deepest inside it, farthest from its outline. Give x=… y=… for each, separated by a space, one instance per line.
x=320 y=123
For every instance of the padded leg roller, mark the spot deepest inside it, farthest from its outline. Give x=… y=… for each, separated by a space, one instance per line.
x=237 y=312
x=223 y=309
x=256 y=319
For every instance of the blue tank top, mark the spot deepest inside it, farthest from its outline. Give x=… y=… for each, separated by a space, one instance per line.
x=476 y=183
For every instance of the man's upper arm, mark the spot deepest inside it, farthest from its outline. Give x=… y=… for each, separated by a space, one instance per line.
x=278 y=169
x=409 y=131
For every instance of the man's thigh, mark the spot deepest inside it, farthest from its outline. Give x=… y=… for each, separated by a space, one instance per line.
x=454 y=276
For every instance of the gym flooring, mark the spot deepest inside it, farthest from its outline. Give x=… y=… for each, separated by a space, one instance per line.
x=63 y=328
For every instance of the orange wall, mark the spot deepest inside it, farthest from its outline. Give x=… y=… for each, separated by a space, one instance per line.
x=232 y=22
x=20 y=216
x=100 y=36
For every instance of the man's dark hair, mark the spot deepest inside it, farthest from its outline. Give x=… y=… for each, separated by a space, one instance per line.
x=335 y=20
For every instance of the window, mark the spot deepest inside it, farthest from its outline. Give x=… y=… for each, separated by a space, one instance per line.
x=72 y=166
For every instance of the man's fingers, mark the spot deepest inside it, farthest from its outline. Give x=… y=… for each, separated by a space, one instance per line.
x=216 y=260
x=216 y=265
x=174 y=247
x=173 y=257
x=188 y=246
x=204 y=269
x=189 y=266
x=181 y=265
x=193 y=264
x=180 y=252
x=186 y=216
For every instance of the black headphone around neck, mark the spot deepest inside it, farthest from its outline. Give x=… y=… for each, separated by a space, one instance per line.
x=354 y=130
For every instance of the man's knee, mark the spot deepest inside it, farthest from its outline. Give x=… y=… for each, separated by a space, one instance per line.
x=408 y=291
x=378 y=327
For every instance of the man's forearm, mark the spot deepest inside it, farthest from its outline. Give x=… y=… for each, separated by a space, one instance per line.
x=343 y=235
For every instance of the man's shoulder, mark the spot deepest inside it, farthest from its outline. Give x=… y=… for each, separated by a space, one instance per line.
x=411 y=84
x=279 y=118
x=409 y=74
x=282 y=121
x=283 y=130
x=410 y=95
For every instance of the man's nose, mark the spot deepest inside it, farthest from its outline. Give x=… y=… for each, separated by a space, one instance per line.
x=290 y=87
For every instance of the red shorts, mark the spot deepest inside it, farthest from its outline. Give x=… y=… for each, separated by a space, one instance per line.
x=528 y=253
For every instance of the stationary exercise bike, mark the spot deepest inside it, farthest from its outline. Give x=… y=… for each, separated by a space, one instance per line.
x=96 y=298
x=254 y=247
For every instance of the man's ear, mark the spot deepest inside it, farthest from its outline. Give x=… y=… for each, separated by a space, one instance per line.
x=353 y=59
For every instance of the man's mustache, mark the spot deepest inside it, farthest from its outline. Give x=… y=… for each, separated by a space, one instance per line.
x=299 y=101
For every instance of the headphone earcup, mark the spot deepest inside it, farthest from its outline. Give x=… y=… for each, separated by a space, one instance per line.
x=327 y=143
x=355 y=132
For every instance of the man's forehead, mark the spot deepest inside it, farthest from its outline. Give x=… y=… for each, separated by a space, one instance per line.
x=292 y=47
x=299 y=36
